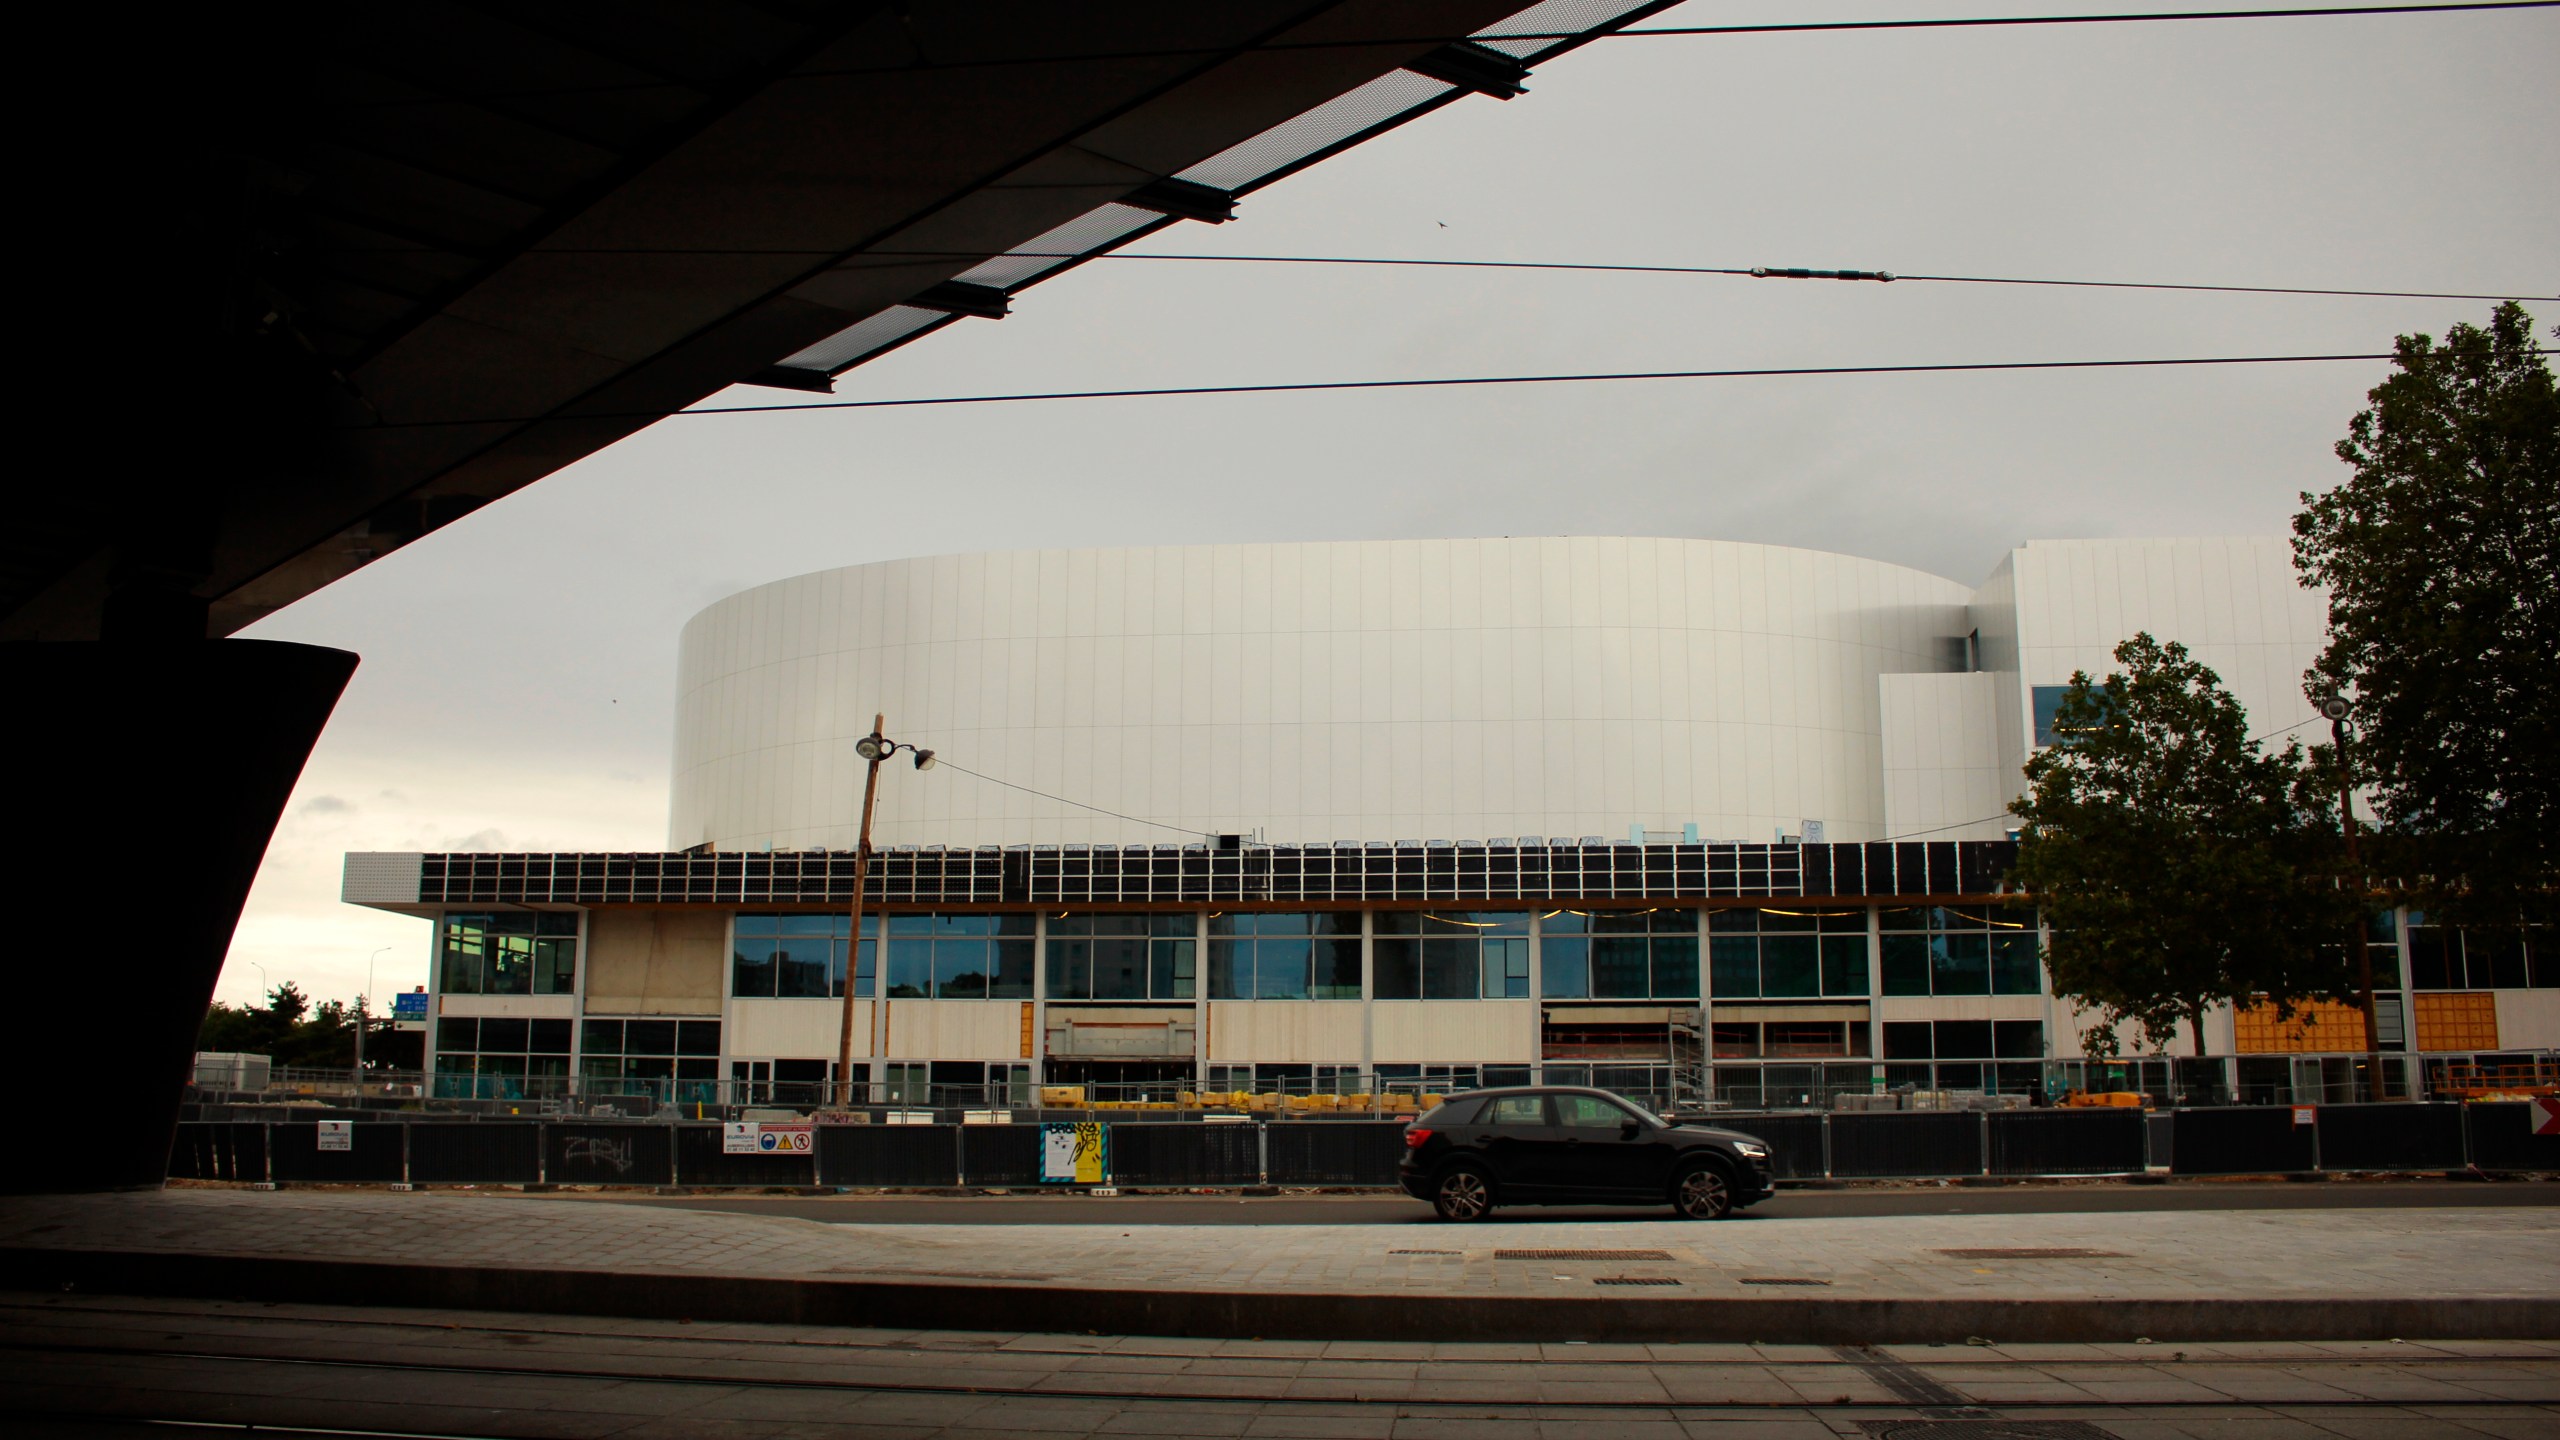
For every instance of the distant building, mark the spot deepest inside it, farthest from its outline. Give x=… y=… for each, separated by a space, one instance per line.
x=1668 y=815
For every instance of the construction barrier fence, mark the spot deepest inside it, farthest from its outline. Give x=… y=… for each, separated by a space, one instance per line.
x=2225 y=1140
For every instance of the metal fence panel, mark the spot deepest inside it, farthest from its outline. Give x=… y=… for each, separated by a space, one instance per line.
x=1006 y=1155
x=2243 y=1140
x=1928 y=1143
x=700 y=1160
x=494 y=1153
x=1347 y=1152
x=609 y=1154
x=219 y=1150
x=2391 y=1137
x=2064 y=1142
x=1187 y=1155
x=2502 y=1138
x=1794 y=1141
x=887 y=1155
x=372 y=1156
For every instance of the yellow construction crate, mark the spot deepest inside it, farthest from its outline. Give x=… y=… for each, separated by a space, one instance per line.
x=1061 y=1097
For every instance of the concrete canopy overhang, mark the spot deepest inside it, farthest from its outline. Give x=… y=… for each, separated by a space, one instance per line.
x=451 y=250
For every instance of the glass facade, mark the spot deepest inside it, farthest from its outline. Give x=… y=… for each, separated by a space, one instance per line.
x=1123 y=957
x=674 y=1060
x=1959 y=950
x=500 y=1058
x=1787 y=954
x=1284 y=957
x=508 y=952
x=2443 y=958
x=1451 y=955
x=2002 y=1056
x=799 y=957
x=1619 y=954
x=960 y=957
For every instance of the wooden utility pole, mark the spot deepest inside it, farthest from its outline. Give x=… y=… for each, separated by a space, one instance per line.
x=853 y=941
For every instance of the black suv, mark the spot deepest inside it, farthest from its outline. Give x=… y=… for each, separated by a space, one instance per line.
x=1558 y=1146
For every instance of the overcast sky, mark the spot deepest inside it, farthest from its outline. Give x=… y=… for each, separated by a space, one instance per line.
x=518 y=665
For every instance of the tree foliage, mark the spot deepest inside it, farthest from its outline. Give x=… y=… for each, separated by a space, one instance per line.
x=293 y=1032
x=2444 y=614
x=2176 y=864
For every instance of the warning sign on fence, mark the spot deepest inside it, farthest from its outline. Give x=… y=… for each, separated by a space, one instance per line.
x=754 y=1139
x=337 y=1135
x=2546 y=1115
x=1076 y=1154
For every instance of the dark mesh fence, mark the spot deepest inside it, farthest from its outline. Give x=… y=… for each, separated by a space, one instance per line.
x=2243 y=1140
x=610 y=1154
x=868 y=1155
x=2390 y=1137
x=1001 y=1155
x=701 y=1159
x=2066 y=1142
x=372 y=1155
x=1886 y=1146
x=219 y=1150
x=1187 y=1155
x=475 y=1154
x=1348 y=1152
x=2502 y=1138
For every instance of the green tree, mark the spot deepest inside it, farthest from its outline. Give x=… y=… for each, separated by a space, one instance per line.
x=2177 y=865
x=2441 y=556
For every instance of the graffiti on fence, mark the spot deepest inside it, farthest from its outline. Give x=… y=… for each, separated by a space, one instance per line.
x=598 y=1150
x=1075 y=1154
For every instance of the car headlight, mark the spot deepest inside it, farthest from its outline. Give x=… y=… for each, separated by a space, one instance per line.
x=1752 y=1148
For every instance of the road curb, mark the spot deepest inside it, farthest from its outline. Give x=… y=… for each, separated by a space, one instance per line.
x=955 y=1304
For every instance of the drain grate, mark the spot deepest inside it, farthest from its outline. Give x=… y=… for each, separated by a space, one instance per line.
x=1635 y=1280
x=2033 y=1252
x=1581 y=1254
x=1782 y=1280
x=1426 y=1252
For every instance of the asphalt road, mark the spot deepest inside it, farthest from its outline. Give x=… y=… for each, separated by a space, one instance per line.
x=1390 y=1210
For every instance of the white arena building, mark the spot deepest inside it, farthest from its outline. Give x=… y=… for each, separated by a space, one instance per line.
x=1689 y=818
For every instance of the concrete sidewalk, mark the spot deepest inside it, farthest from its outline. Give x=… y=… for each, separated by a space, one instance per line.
x=2266 y=1275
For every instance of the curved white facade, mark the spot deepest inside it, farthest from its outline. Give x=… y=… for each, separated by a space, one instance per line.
x=1425 y=689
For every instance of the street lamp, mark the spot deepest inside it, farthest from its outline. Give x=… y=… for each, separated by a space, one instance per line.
x=874 y=748
x=2335 y=709
x=362 y=1000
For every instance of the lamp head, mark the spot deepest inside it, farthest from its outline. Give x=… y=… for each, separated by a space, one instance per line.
x=924 y=759
x=2334 y=707
x=871 y=747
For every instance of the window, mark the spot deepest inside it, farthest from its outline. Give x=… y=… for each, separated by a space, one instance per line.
x=2047 y=700
x=1284 y=957
x=799 y=957
x=959 y=957
x=519 y=952
x=1588 y=1112
x=2443 y=958
x=1786 y=954
x=1423 y=955
x=1620 y=954
x=1972 y=1045
x=1959 y=950
x=501 y=1059
x=1123 y=957
x=676 y=1060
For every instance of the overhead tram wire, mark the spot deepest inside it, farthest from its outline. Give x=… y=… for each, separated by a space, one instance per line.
x=945 y=762
x=1766 y=272
x=1435 y=382
x=1655 y=32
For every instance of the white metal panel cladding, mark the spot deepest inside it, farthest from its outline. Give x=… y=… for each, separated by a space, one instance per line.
x=1436 y=689
x=380 y=877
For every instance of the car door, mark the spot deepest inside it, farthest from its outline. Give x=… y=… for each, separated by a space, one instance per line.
x=1514 y=1133
x=1607 y=1151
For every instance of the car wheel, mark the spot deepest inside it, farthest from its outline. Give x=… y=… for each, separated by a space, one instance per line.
x=1463 y=1194
x=1702 y=1193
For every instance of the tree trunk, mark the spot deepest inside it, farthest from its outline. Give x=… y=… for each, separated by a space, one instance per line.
x=2196 y=1019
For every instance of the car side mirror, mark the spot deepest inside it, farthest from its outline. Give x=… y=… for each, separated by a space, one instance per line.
x=1630 y=1130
